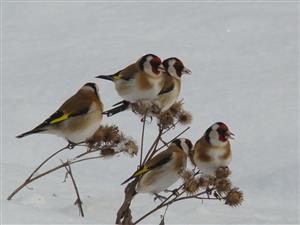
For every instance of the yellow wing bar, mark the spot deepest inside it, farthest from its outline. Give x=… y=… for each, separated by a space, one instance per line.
x=59 y=119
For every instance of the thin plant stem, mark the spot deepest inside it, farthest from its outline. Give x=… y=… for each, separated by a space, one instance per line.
x=153 y=146
x=168 y=202
x=32 y=178
x=142 y=138
x=78 y=201
x=46 y=160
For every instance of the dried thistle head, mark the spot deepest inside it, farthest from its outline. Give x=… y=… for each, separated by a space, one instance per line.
x=166 y=119
x=108 y=140
x=223 y=185
x=187 y=175
x=176 y=108
x=105 y=134
x=141 y=108
x=191 y=186
x=185 y=118
x=204 y=182
x=223 y=172
x=107 y=152
x=234 y=198
x=131 y=148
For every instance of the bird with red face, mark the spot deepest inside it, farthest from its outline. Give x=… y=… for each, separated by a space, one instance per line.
x=174 y=69
x=213 y=150
x=139 y=81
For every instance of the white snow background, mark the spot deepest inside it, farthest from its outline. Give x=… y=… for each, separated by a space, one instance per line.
x=244 y=58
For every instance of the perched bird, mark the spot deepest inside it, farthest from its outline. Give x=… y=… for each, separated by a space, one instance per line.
x=77 y=119
x=213 y=149
x=142 y=80
x=167 y=96
x=163 y=170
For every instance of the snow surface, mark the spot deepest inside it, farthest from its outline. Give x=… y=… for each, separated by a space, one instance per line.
x=244 y=58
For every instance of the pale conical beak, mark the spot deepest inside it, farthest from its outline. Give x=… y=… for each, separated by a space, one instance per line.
x=230 y=135
x=161 y=68
x=186 y=71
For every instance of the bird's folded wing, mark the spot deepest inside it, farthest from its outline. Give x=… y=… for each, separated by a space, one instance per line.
x=128 y=73
x=168 y=85
x=60 y=116
x=156 y=162
x=160 y=160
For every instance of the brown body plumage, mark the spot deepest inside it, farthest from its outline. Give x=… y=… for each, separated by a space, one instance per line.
x=139 y=81
x=77 y=119
x=174 y=69
x=213 y=149
x=163 y=170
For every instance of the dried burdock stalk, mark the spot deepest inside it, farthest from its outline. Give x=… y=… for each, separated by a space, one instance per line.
x=234 y=198
x=107 y=141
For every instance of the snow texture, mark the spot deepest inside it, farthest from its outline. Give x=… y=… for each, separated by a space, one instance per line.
x=244 y=58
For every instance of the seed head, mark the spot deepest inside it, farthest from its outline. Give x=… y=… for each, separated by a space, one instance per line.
x=203 y=182
x=223 y=185
x=132 y=148
x=187 y=175
x=107 y=152
x=191 y=186
x=176 y=108
x=166 y=119
x=185 y=118
x=223 y=172
x=234 y=198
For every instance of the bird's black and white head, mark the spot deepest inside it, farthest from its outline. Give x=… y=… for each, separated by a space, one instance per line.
x=175 y=67
x=91 y=87
x=184 y=144
x=151 y=64
x=218 y=134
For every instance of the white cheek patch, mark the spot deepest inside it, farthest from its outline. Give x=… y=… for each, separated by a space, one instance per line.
x=147 y=67
x=171 y=68
x=184 y=146
x=214 y=137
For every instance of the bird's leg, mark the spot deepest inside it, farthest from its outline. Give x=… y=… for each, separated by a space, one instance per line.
x=160 y=197
x=145 y=119
x=174 y=191
x=71 y=145
x=208 y=192
x=217 y=195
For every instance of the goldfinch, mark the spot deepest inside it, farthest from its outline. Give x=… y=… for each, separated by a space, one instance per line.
x=139 y=81
x=163 y=170
x=174 y=69
x=77 y=119
x=213 y=149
